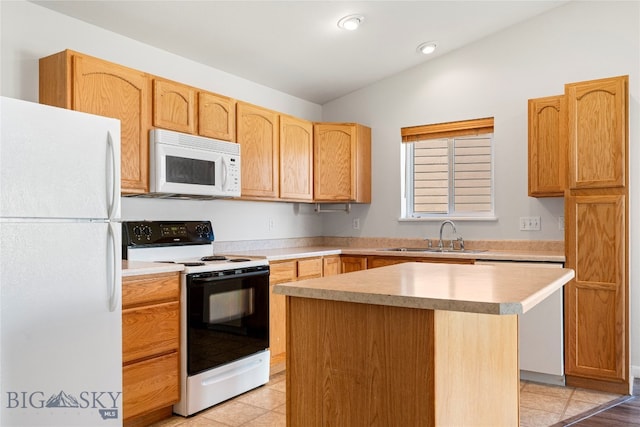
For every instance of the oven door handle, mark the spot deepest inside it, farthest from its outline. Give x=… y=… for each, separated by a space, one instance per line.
x=229 y=276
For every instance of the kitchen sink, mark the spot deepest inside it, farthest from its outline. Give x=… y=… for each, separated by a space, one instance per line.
x=434 y=250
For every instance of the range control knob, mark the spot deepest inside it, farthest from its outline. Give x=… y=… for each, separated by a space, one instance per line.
x=202 y=230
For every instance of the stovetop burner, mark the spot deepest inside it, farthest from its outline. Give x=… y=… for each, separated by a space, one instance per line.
x=213 y=258
x=186 y=264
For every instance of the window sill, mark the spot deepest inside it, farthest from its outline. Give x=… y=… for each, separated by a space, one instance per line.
x=452 y=218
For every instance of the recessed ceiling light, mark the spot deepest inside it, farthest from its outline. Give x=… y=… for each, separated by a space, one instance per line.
x=427 y=48
x=350 y=22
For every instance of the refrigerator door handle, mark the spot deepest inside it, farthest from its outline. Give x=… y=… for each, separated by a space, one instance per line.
x=112 y=278
x=112 y=184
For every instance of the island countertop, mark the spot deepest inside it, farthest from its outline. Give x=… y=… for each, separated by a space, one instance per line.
x=488 y=289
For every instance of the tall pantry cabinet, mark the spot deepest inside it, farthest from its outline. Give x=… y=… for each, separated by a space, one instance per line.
x=596 y=235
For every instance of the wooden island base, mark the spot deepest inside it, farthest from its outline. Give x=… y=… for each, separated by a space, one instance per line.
x=353 y=364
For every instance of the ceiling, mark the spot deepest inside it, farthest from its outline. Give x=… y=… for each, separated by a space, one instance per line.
x=296 y=46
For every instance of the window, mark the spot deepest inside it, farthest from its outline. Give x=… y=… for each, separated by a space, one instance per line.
x=449 y=170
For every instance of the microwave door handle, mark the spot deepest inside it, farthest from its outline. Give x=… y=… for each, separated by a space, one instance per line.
x=224 y=173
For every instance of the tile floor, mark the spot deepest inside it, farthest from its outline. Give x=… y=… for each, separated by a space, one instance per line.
x=540 y=405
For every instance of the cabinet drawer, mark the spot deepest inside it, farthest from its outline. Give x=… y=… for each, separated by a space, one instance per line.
x=282 y=272
x=309 y=268
x=148 y=331
x=150 y=385
x=149 y=289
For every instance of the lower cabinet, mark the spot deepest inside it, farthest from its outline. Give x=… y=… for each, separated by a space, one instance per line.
x=283 y=272
x=350 y=263
x=356 y=263
x=150 y=347
x=331 y=265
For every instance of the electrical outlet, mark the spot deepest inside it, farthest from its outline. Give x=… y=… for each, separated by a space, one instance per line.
x=356 y=223
x=529 y=223
x=561 y=223
x=271 y=224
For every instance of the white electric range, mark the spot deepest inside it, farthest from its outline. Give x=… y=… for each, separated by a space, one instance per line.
x=224 y=310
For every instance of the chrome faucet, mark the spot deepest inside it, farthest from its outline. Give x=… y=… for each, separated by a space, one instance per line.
x=453 y=226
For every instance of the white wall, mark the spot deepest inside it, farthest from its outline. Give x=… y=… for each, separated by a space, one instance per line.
x=495 y=77
x=29 y=32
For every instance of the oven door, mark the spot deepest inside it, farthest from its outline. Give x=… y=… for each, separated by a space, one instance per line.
x=227 y=316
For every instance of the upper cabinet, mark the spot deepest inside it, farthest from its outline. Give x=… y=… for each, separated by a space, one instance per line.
x=283 y=157
x=216 y=116
x=597 y=132
x=342 y=163
x=83 y=83
x=174 y=106
x=296 y=159
x=258 y=135
x=547 y=146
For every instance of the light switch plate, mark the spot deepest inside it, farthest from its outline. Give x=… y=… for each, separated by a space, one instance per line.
x=529 y=223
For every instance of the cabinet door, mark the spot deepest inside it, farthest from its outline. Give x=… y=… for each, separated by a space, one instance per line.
x=150 y=385
x=107 y=89
x=334 y=162
x=353 y=263
x=309 y=268
x=331 y=265
x=280 y=272
x=596 y=321
x=174 y=106
x=598 y=132
x=258 y=136
x=216 y=116
x=150 y=330
x=296 y=158
x=547 y=146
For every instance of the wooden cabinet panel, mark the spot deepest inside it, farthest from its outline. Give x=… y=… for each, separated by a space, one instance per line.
x=174 y=106
x=296 y=158
x=352 y=263
x=83 y=83
x=150 y=346
x=342 y=162
x=331 y=265
x=258 y=135
x=148 y=289
x=216 y=116
x=282 y=272
x=150 y=385
x=309 y=268
x=381 y=261
x=277 y=326
x=148 y=331
x=595 y=301
x=547 y=146
x=374 y=262
x=598 y=132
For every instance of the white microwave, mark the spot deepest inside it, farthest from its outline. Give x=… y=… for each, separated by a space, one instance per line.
x=191 y=167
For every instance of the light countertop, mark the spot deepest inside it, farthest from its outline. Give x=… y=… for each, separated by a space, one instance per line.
x=489 y=289
x=137 y=268
x=313 y=251
x=134 y=268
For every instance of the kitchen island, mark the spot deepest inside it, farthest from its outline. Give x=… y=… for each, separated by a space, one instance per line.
x=410 y=344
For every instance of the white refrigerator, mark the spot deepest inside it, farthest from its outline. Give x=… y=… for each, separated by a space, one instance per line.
x=60 y=267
